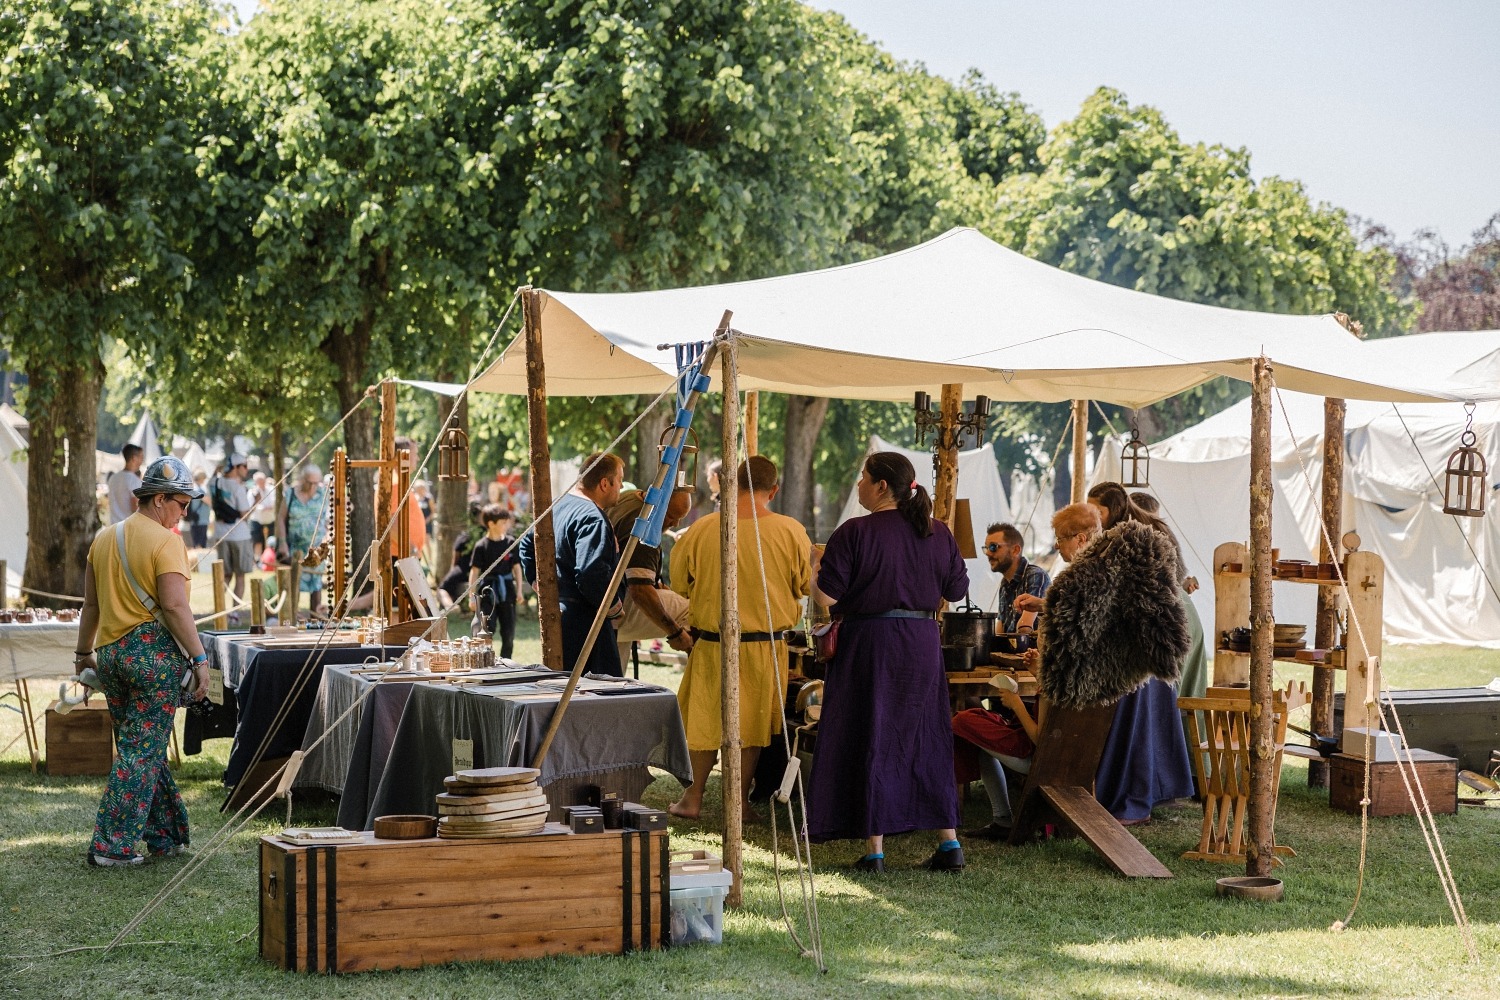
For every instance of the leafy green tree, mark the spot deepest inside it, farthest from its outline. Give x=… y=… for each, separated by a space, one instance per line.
x=100 y=110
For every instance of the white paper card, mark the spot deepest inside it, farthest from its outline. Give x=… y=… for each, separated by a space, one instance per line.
x=216 y=686
x=463 y=755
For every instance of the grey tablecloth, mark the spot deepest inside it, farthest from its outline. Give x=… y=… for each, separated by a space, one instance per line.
x=37 y=650
x=402 y=745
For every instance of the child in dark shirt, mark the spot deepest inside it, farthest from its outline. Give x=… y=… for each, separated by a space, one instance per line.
x=495 y=575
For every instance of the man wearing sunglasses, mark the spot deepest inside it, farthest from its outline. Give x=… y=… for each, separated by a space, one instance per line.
x=1018 y=576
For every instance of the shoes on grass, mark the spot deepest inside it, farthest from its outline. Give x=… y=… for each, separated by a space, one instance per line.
x=105 y=861
x=870 y=865
x=175 y=851
x=951 y=860
x=994 y=831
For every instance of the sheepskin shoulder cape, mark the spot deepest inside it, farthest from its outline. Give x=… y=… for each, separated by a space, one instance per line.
x=1114 y=618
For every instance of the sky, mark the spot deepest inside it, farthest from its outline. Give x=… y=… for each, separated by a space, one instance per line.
x=1390 y=110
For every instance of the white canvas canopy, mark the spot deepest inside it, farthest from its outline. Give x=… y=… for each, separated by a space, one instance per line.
x=1436 y=589
x=13 y=502
x=957 y=309
x=979 y=481
x=146 y=437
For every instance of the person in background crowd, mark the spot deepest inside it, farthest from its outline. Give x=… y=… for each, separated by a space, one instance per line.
x=586 y=559
x=884 y=764
x=697 y=574
x=266 y=561
x=231 y=501
x=457 y=580
x=415 y=524
x=305 y=529
x=421 y=490
x=1002 y=547
x=141 y=658
x=122 y=484
x=652 y=611
x=495 y=575
x=1009 y=738
x=263 y=516
x=199 y=513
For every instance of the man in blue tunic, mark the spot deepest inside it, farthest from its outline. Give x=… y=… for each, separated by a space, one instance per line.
x=586 y=558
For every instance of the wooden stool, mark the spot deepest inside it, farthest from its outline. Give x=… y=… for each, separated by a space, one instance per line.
x=1221 y=764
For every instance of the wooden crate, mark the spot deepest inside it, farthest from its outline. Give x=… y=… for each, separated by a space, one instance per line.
x=1459 y=722
x=1438 y=776
x=81 y=741
x=402 y=904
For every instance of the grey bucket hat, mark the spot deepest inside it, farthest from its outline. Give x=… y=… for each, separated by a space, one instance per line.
x=167 y=474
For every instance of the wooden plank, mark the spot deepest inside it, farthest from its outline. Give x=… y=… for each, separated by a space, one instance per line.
x=1262 y=798
x=367 y=955
x=1103 y=832
x=732 y=781
x=410 y=895
x=481 y=919
x=1325 y=631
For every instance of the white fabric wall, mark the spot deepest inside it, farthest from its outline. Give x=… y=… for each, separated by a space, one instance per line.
x=12 y=504
x=979 y=482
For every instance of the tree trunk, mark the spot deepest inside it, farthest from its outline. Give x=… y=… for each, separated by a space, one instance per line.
x=62 y=511
x=348 y=347
x=278 y=469
x=450 y=498
x=647 y=438
x=804 y=421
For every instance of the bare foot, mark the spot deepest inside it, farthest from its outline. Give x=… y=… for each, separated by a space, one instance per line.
x=682 y=812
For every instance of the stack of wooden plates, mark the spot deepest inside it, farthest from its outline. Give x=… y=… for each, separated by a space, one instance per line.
x=491 y=802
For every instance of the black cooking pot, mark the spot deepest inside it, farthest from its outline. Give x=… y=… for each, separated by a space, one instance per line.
x=969 y=627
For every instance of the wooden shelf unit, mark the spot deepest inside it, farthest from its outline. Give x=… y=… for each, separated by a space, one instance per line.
x=1365 y=573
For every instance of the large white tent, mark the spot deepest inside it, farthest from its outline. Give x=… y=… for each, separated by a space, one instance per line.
x=1436 y=588
x=147 y=437
x=979 y=482
x=13 y=502
x=957 y=309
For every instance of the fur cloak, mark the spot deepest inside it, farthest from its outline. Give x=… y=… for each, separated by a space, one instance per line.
x=1114 y=618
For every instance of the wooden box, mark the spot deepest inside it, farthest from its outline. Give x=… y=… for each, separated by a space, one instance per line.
x=406 y=903
x=81 y=741
x=1438 y=776
x=1459 y=722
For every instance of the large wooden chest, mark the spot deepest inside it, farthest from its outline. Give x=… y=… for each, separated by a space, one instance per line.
x=1458 y=722
x=1438 y=776
x=81 y=741
x=385 y=904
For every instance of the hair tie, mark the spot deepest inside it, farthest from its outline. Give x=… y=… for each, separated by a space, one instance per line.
x=914 y=485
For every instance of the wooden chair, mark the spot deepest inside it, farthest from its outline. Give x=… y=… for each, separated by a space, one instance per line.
x=1060 y=788
x=1221 y=764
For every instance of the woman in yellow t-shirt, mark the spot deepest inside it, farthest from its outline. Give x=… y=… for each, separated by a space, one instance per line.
x=141 y=664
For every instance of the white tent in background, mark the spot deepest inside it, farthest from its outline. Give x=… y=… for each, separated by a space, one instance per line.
x=146 y=437
x=979 y=481
x=1436 y=588
x=193 y=455
x=13 y=502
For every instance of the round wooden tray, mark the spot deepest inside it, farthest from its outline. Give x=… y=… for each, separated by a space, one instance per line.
x=1250 y=887
x=408 y=827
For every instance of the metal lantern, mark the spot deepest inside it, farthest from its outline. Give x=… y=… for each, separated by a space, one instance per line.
x=685 y=480
x=453 y=456
x=1135 y=462
x=1467 y=480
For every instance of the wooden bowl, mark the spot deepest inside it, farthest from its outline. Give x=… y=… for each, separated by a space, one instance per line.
x=1267 y=890
x=405 y=827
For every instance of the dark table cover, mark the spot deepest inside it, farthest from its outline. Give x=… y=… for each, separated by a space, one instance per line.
x=401 y=748
x=263 y=680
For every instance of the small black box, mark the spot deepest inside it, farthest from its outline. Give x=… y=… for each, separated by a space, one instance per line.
x=641 y=817
x=585 y=819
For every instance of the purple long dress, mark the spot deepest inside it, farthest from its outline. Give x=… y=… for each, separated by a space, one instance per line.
x=884 y=758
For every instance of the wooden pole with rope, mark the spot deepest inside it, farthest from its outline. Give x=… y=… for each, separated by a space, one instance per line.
x=1260 y=838
x=1325 y=628
x=945 y=454
x=380 y=568
x=1080 y=450
x=752 y=423
x=549 y=613
x=729 y=628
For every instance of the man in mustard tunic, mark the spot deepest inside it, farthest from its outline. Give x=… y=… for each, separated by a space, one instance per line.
x=697 y=575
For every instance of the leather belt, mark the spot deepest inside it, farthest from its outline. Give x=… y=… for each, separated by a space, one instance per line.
x=895 y=613
x=708 y=636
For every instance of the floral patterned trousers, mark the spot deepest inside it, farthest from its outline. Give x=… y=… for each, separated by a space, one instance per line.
x=141 y=674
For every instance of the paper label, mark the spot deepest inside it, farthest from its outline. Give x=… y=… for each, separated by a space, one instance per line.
x=216 y=685
x=463 y=755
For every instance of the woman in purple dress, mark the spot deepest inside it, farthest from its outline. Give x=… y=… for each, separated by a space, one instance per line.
x=884 y=760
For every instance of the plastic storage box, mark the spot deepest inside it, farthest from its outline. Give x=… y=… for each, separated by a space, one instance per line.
x=699 y=886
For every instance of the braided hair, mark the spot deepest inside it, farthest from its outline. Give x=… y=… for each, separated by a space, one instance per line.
x=894 y=469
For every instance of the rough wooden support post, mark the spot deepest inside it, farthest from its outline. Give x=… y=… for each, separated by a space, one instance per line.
x=945 y=455
x=385 y=501
x=1326 y=628
x=752 y=424
x=1080 y=450
x=729 y=626
x=549 y=613
x=4 y=586
x=289 y=580
x=1261 y=835
x=257 y=602
x=216 y=571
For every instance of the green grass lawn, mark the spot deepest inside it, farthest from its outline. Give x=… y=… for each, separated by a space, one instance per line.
x=1044 y=920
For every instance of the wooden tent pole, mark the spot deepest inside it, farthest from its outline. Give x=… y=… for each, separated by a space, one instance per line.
x=1080 y=450
x=549 y=614
x=729 y=625
x=945 y=455
x=1329 y=599
x=385 y=499
x=1261 y=835
x=752 y=424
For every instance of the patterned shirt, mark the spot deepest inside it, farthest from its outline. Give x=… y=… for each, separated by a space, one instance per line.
x=1027 y=579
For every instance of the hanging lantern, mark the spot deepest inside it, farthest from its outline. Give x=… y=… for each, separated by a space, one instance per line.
x=453 y=456
x=685 y=480
x=1135 y=462
x=1467 y=482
